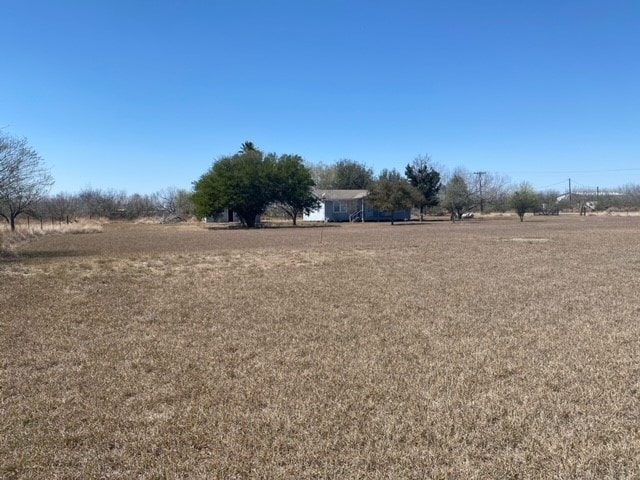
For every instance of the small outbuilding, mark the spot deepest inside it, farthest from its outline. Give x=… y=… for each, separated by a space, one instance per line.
x=227 y=216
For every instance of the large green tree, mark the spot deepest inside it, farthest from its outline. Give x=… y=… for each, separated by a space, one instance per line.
x=351 y=175
x=250 y=181
x=293 y=186
x=242 y=182
x=391 y=193
x=426 y=180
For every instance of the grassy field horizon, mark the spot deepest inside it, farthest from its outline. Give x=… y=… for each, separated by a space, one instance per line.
x=483 y=349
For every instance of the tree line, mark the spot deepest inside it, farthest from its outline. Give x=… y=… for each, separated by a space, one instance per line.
x=96 y=203
x=251 y=181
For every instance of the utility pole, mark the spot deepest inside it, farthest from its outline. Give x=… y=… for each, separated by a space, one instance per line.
x=569 y=192
x=480 y=185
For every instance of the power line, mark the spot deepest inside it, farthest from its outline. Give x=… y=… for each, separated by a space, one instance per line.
x=560 y=172
x=561 y=182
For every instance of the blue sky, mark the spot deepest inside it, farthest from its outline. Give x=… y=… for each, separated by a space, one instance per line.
x=141 y=95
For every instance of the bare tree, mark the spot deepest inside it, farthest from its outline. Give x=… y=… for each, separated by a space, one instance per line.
x=101 y=203
x=168 y=201
x=344 y=174
x=137 y=205
x=630 y=195
x=467 y=191
x=89 y=202
x=24 y=180
x=457 y=197
x=58 y=206
x=174 y=201
x=323 y=175
x=184 y=203
x=493 y=192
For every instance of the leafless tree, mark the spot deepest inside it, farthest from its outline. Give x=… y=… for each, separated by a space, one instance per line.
x=344 y=174
x=24 y=180
x=59 y=206
x=495 y=191
x=136 y=206
x=101 y=203
x=174 y=201
x=185 y=205
x=167 y=200
x=469 y=190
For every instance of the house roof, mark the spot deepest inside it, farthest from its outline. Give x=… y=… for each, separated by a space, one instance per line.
x=340 y=194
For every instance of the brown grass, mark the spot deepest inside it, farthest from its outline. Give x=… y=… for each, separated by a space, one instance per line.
x=488 y=349
x=9 y=240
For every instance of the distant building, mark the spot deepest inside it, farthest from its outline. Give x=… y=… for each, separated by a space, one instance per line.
x=589 y=194
x=227 y=216
x=350 y=206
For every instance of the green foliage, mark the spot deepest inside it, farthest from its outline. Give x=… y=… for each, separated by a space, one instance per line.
x=241 y=182
x=293 y=186
x=350 y=174
x=247 y=147
x=391 y=193
x=426 y=180
x=524 y=200
x=249 y=182
x=458 y=198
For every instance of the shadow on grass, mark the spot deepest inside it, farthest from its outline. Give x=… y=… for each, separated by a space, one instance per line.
x=271 y=226
x=308 y=225
x=416 y=223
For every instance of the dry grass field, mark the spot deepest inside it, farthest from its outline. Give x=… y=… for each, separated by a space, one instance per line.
x=24 y=233
x=487 y=349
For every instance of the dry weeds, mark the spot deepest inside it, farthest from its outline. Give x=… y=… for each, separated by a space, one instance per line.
x=493 y=349
x=9 y=240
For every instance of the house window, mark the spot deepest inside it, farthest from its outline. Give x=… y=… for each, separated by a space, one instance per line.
x=339 y=207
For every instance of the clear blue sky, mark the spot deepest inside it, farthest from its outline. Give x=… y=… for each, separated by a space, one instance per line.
x=139 y=95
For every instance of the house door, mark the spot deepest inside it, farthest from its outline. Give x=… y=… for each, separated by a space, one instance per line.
x=229 y=215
